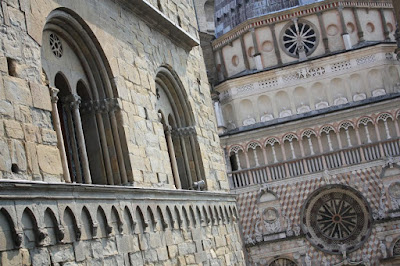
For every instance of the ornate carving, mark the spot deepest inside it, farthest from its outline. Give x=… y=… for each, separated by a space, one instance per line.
x=56 y=45
x=336 y=217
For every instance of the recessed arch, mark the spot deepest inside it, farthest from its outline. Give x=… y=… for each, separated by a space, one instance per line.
x=81 y=61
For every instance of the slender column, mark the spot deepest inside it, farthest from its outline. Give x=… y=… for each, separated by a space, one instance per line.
x=276 y=46
x=322 y=151
x=75 y=103
x=244 y=52
x=292 y=149
x=265 y=155
x=115 y=106
x=283 y=151
x=378 y=136
x=397 y=127
x=274 y=153
x=60 y=139
x=218 y=114
x=360 y=31
x=303 y=155
x=172 y=156
x=339 y=140
x=247 y=160
x=359 y=144
x=348 y=138
x=74 y=144
x=185 y=158
x=238 y=160
x=384 y=24
x=195 y=157
x=257 y=55
x=256 y=157
x=345 y=34
x=104 y=147
x=311 y=145
x=367 y=134
x=387 y=130
x=223 y=66
x=323 y=32
x=328 y=137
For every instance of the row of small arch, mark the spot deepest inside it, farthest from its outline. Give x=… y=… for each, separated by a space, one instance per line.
x=107 y=220
x=364 y=120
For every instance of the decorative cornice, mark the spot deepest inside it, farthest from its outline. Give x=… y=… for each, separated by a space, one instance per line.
x=293 y=13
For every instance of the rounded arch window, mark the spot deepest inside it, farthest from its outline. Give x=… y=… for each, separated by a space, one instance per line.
x=336 y=218
x=299 y=35
x=282 y=262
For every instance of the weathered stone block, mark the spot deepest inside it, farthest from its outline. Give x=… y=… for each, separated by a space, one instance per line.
x=31 y=132
x=18 y=156
x=49 y=137
x=62 y=253
x=11 y=258
x=136 y=259
x=17 y=90
x=40 y=96
x=5 y=159
x=172 y=251
x=13 y=129
x=6 y=109
x=162 y=254
x=49 y=159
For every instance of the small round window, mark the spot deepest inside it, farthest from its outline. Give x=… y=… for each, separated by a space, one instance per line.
x=299 y=35
x=56 y=45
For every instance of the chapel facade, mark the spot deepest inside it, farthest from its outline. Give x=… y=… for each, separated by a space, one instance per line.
x=108 y=147
x=308 y=116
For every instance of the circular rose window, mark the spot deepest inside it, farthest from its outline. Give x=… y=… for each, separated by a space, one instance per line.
x=299 y=36
x=335 y=218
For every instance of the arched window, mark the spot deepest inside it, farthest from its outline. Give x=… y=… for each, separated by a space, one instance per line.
x=178 y=121
x=85 y=103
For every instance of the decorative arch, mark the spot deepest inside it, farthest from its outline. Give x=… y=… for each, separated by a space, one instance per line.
x=94 y=93
x=179 y=128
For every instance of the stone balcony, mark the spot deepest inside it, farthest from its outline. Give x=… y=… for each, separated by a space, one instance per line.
x=59 y=223
x=355 y=156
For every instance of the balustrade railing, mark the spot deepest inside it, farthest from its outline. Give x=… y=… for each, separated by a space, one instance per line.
x=314 y=164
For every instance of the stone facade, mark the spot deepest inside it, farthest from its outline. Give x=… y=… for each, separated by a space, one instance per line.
x=309 y=120
x=99 y=94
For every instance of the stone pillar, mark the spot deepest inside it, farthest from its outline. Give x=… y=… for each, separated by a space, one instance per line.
x=218 y=114
x=323 y=32
x=223 y=66
x=384 y=24
x=75 y=102
x=104 y=146
x=113 y=107
x=360 y=31
x=345 y=34
x=60 y=139
x=276 y=45
x=186 y=160
x=172 y=156
x=257 y=54
x=244 y=52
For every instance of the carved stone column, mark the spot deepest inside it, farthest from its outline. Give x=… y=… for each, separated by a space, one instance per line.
x=360 y=31
x=171 y=151
x=323 y=32
x=223 y=67
x=75 y=102
x=345 y=34
x=244 y=52
x=384 y=24
x=257 y=55
x=276 y=45
x=60 y=139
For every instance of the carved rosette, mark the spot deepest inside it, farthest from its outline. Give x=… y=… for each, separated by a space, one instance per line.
x=336 y=216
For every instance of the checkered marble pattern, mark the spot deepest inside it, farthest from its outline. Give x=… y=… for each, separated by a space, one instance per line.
x=293 y=194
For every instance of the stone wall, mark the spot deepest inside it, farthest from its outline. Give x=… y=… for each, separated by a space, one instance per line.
x=134 y=51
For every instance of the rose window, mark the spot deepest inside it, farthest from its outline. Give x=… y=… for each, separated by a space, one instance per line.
x=56 y=45
x=299 y=36
x=336 y=217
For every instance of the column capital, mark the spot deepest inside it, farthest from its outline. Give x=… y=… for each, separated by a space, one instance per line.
x=73 y=100
x=184 y=131
x=54 y=94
